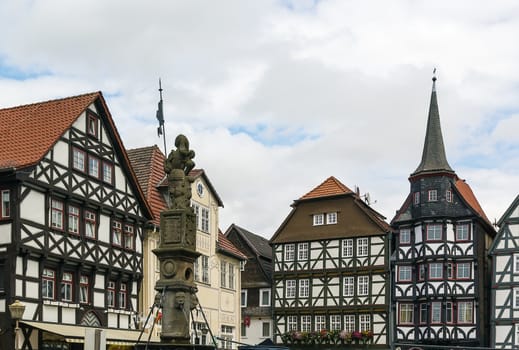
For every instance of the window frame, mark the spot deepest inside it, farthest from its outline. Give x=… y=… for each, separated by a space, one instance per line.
x=290 y=289
x=462 y=320
x=268 y=291
x=464 y=229
x=94 y=166
x=105 y=166
x=436 y=312
x=424 y=313
x=205 y=270
x=407 y=232
x=122 y=296
x=365 y=322
x=304 y=288
x=318 y=219
x=362 y=247
x=263 y=333
x=73 y=219
x=331 y=218
x=111 y=294
x=84 y=285
x=335 y=323
x=48 y=278
x=448 y=196
x=319 y=322
x=92 y=119
x=79 y=160
x=129 y=236
x=347 y=248
x=363 y=283
x=117 y=233
x=5 y=210
x=416 y=198
x=408 y=270
x=431 y=229
x=289 y=250
x=67 y=286
x=349 y=323
x=432 y=195
x=306 y=323
x=464 y=266
x=348 y=286
x=57 y=214
x=433 y=278
x=408 y=313
x=291 y=323
x=243 y=298
x=90 y=218
x=302 y=251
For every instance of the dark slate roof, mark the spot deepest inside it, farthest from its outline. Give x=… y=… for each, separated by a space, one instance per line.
x=433 y=155
x=257 y=243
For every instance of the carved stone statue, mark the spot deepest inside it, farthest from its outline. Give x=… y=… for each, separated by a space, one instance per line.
x=177 y=166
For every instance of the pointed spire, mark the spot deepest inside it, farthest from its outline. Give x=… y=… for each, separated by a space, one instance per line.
x=433 y=156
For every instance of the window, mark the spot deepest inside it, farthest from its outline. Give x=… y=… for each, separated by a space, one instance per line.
x=434 y=232
x=93 y=166
x=448 y=196
x=318 y=219
x=448 y=312
x=335 y=322
x=465 y=312
x=108 y=173
x=463 y=270
x=196 y=267
x=291 y=323
x=122 y=296
x=83 y=289
x=331 y=218
x=462 y=232
x=110 y=294
x=227 y=336
x=205 y=269
x=90 y=224
x=416 y=198
x=304 y=288
x=435 y=271
x=450 y=269
x=405 y=236
x=362 y=285
x=364 y=322
x=306 y=323
x=6 y=205
x=290 y=252
x=231 y=276
x=421 y=272
x=302 y=251
x=265 y=331
x=243 y=298
x=349 y=323
x=406 y=314
x=243 y=329
x=242 y=265
x=78 y=159
x=117 y=233
x=47 y=284
x=349 y=286
x=347 y=248
x=320 y=323
x=223 y=274
x=436 y=312
x=432 y=195
x=404 y=273
x=92 y=125
x=73 y=219
x=423 y=313
x=205 y=220
x=128 y=236
x=66 y=286
x=362 y=247
x=264 y=297
x=290 y=288
x=56 y=214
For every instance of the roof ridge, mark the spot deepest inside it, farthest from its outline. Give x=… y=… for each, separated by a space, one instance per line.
x=51 y=100
x=329 y=187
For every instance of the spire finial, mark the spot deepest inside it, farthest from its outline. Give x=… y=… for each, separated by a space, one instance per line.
x=434 y=80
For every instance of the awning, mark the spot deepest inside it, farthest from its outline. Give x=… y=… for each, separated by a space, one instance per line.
x=76 y=334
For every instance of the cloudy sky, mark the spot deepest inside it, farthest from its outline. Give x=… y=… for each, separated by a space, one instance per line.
x=278 y=95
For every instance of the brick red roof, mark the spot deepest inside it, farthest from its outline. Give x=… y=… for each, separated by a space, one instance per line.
x=330 y=187
x=147 y=163
x=226 y=246
x=29 y=131
x=469 y=197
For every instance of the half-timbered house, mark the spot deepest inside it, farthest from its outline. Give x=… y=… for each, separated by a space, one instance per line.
x=216 y=270
x=331 y=266
x=504 y=315
x=71 y=223
x=441 y=267
x=256 y=283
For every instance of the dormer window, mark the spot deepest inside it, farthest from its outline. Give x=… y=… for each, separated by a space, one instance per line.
x=433 y=195
x=331 y=218
x=448 y=196
x=318 y=219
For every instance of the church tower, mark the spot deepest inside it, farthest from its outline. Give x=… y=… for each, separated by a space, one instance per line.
x=440 y=271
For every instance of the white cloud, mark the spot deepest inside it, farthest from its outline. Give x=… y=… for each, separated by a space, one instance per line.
x=322 y=88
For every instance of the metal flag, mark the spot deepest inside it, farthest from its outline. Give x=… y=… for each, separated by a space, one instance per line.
x=160 y=113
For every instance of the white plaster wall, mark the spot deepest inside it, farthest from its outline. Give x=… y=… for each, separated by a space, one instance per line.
x=32 y=289
x=450 y=232
x=2 y=305
x=123 y=322
x=418 y=234
x=68 y=315
x=120 y=179
x=61 y=153
x=112 y=320
x=502 y=332
x=254 y=333
x=104 y=228
x=5 y=234
x=80 y=122
x=32 y=207
x=30 y=310
x=514 y=229
x=50 y=313
x=501 y=262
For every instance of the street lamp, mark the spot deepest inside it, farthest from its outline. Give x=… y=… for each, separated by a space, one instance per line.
x=16 y=309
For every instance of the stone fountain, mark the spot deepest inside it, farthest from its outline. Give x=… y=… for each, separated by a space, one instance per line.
x=177 y=254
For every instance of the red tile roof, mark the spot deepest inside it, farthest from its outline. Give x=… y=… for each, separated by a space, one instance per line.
x=226 y=246
x=29 y=131
x=148 y=165
x=330 y=187
x=469 y=197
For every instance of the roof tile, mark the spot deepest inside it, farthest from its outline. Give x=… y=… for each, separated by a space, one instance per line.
x=330 y=187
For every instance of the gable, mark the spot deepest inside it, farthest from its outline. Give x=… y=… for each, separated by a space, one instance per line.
x=352 y=221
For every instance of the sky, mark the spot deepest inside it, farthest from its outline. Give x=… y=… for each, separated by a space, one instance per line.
x=276 y=96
